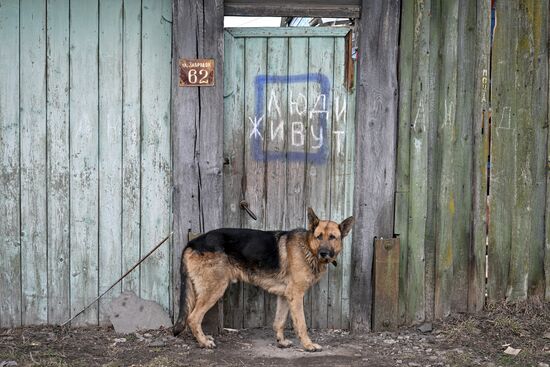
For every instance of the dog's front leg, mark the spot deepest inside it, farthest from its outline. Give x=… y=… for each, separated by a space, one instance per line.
x=296 y=302
x=279 y=322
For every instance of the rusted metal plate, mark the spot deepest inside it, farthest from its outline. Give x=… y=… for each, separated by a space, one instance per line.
x=386 y=284
x=197 y=72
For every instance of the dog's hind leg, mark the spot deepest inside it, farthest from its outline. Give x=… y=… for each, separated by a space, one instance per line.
x=280 y=321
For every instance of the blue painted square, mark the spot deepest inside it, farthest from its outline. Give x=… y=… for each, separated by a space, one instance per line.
x=261 y=83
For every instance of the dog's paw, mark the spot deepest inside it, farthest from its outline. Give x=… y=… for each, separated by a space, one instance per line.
x=285 y=343
x=178 y=329
x=312 y=347
x=208 y=344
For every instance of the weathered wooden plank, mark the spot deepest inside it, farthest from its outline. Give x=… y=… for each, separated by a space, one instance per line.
x=197 y=136
x=234 y=161
x=386 y=284
x=255 y=160
x=275 y=121
x=446 y=191
x=319 y=145
x=156 y=166
x=526 y=253
x=288 y=32
x=418 y=196
x=480 y=129
x=463 y=148
x=84 y=158
x=57 y=58
x=337 y=135
x=131 y=141
x=10 y=226
x=285 y=9
x=433 y=93
x=298 y=51
x=348 y=207
x=403 y=146
x=32 y=142
x=110 y=150
x=375 y=145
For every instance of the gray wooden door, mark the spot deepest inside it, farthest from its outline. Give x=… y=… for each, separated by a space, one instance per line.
x=288 y=144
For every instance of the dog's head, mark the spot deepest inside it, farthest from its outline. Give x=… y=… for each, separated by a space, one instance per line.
x=327 y=236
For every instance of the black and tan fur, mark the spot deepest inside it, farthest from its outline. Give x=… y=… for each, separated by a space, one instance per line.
x=285 y=263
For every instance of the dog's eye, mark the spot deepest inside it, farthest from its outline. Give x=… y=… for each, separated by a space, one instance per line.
x=331 y=237
x=320 y=237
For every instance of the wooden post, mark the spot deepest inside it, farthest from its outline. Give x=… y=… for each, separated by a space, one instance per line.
x=197 y=129
x=377 y=98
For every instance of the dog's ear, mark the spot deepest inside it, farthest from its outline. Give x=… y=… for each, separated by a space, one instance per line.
x=312 y=220
x=345 y=226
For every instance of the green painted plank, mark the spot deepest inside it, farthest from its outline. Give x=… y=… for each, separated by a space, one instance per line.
x=527 y=249
x=10 y=261
x=337 y=135
x=84 y=158
x=234 y=168
x=288 y=32
x=131 y=142
x=403 y=145
x=436 y=24
x=321 y=59
x=32 y=106
x=110 y=150
x=155 y=150
x=348 y=206
x=298 y=54
x=276 y=114
x=447 y=130
x=480 y=122
x=254 y=187
x=57 y=58
x=418 y=196
x=463 y=149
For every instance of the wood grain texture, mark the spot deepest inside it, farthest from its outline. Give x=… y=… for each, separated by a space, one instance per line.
x=32 y=106
x=403 y=147
x=319 y=8
x=84 y=159
x=321 y=61
x=110 y=151
x=480 y=132
x=338 y=163
x=156 y=162
x=57 y=58
x=197 y=126
x=131 y=142
x=255 y=185
x=298 y=51
x=518 y=155
x=10 y=225
x=446 y=126
x=233 y=162
x=375 y=145
x=275 y=174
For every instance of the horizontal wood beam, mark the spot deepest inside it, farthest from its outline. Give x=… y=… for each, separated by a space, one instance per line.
x=293 y=10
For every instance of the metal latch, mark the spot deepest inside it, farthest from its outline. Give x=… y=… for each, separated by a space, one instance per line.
x=244 y=206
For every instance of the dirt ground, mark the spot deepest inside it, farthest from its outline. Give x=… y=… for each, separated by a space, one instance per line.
x=459 y=341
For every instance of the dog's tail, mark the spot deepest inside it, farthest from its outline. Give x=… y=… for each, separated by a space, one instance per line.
x=186 y=293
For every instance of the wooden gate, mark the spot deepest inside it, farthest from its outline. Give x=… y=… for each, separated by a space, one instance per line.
x=289 y=144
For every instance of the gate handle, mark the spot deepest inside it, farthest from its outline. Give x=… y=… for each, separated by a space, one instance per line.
x=244 y=205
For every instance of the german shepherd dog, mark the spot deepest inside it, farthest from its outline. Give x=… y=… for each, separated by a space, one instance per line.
x=285 y=263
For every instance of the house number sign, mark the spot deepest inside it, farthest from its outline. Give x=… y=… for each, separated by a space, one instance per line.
x=196 y=72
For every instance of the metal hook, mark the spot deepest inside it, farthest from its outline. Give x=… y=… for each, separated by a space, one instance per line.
x=244 y=205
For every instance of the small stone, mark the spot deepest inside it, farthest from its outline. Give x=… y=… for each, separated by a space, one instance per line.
x=357 y=355
x=413 y=364
x=8 y=363
x=147 y=335
x=426 y=327
x=399 y=361
x=542 y=364
x=429 y=350
x=389 y=341
x=157 y=344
